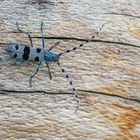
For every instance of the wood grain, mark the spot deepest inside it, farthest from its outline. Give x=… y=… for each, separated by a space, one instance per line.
x=106 y=72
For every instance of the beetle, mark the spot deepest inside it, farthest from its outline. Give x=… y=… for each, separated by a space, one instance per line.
x=23 y=53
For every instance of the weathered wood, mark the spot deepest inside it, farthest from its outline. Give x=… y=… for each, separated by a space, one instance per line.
x=106 y=73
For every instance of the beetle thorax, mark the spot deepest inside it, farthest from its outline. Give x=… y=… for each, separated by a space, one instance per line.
x=51 y=57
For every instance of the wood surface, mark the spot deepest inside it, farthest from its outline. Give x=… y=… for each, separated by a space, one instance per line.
x=106 y=72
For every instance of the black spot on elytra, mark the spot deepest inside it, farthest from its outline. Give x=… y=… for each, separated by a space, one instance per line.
x=68 y=51
x=16 y=47
x=38 y=50
x=15 y=55
x=74 y=89
x=36 y=58
x=81 y=45
x=26 y=53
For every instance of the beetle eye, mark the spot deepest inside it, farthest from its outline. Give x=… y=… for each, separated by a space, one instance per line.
x=52 y=57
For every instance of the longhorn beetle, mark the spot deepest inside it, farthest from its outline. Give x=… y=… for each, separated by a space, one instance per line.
x=23 y=53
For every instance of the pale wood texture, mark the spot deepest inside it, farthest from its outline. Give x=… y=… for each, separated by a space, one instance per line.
x=106 y=75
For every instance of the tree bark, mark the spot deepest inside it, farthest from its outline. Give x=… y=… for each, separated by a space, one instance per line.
x=106 y=71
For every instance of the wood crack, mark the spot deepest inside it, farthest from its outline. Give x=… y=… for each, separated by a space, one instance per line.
x=111 y=95
x=122 y=14
x=79 y=39
x=60 y=93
